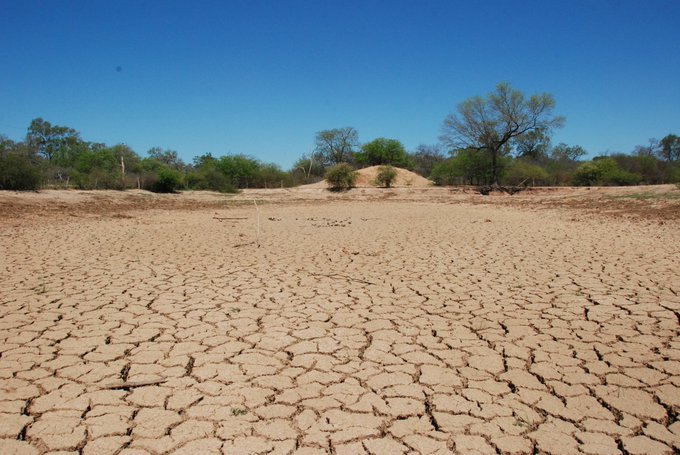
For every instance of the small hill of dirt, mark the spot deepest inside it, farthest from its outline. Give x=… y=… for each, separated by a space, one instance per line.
x=367 y=176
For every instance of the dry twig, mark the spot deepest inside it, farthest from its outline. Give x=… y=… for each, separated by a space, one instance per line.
x=337 y=275
x=132 y=384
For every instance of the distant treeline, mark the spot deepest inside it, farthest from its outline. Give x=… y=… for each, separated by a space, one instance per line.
x=53 y=156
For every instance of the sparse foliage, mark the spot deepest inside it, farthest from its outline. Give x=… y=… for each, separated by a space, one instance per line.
x=425 y=158
x=336 y=146
x=307 y=170
x=386 y=176
x=494 y=124
x=669 y=149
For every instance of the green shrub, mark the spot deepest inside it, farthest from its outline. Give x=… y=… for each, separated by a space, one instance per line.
x=604 y=171
x=587 y=174
x=467 y=166
x=386 y=176
x=522 y=171
x=168 y=181
x=17 y=172
x=97 y=179
x=675 y=176
x=341 y=177
x=447 y=172
x=619 y=177
x=211 y=179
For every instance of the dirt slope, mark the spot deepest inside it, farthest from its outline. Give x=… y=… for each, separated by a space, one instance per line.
x=405 y=178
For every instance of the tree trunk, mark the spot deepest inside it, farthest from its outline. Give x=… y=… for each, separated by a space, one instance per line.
x=494 y=167
x=122 y=172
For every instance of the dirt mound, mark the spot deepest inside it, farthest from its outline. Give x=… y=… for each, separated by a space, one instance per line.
x=367 y=176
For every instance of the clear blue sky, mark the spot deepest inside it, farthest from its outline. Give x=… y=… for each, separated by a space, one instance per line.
x=262 y=77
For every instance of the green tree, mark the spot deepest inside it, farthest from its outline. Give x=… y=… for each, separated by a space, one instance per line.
x=564 y=152
x=336 y=146
x=669 y=149
x=468 y=166
x=169 y=181
x=533 y=145
x=521 y=170
x=270 y=175
x=20 y=167
x=648 y=167
x=386 y=176
x=383 y=151
x=203 y=160
x=341 y=177
x=562 y=161
x=603 y=171
x=170 y=158
x=48 y=139
x=495 y=123
x=99 y=169
x=240 y=170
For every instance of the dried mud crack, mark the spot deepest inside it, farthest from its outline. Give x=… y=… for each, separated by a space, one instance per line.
x=401 y=327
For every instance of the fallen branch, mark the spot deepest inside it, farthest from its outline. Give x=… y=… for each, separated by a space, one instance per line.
x=132 y=384
x=229 y=218
x=337 y=275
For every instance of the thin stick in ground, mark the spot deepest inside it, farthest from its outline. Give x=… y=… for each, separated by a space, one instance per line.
x=257 y=236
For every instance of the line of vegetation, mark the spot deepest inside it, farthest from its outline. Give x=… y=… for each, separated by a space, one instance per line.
x=502 y=138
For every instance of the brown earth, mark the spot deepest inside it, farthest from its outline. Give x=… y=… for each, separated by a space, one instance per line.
x=426 y=320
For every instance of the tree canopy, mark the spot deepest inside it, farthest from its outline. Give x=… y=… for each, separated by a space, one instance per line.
x=494 y=124
x=503 y=137
x=669 y=148
x=336 y=146
x=383 y=151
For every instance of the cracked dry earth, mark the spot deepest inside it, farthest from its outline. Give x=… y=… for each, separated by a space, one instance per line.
x=356 y=327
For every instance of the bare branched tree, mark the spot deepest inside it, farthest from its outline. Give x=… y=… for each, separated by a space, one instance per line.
x=337 y=145
x=493 y=124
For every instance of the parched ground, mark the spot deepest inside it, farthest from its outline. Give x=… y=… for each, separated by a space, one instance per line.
x=376 y=321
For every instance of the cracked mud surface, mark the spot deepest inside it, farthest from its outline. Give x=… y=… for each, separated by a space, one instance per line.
x=356 y=327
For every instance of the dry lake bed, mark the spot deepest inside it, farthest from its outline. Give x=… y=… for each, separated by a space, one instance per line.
x=376 y=321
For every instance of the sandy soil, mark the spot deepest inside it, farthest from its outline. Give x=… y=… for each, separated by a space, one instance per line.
x=382 y=322
x=366 y=179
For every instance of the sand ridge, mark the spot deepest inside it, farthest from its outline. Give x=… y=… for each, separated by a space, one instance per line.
x=375 y=325
x=366 y=178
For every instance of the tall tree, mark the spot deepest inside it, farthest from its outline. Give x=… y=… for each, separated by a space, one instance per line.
x=337 y=145
x=669 y=149
x=564 y=152
x=48 y=139
x=494 y=124
x=168 y=157
x=652 y=149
